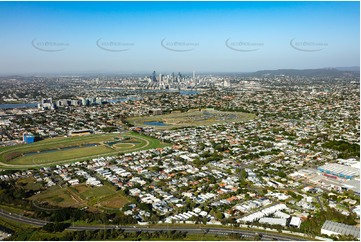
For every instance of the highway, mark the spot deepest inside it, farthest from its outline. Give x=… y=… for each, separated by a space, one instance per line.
x=199 y=230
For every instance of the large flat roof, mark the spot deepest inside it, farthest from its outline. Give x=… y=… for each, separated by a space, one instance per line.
x=341 y=228
x=338 y=169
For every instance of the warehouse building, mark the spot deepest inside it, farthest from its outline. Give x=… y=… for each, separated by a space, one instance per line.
x=337 y=171
x=332 y=228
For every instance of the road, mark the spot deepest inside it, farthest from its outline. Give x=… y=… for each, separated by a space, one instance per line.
x=319 y=202
x=202 y=230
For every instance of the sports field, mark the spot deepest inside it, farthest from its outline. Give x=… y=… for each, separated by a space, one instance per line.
x=204 y=117
x=70 y=149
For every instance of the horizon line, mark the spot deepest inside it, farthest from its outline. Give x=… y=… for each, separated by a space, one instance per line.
x=163 y=72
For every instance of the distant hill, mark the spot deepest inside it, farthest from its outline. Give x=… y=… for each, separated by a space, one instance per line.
x=351 y=68
x=334 y=72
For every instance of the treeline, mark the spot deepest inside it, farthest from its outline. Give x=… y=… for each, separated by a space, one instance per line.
x=74 y=214
x=55 y=227
x=14 y=195
x=107 y=234
x=347 y=150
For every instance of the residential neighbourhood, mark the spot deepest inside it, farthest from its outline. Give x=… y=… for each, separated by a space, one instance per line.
x=298 y=158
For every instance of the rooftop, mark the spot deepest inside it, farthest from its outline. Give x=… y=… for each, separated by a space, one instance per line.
x=341 y=228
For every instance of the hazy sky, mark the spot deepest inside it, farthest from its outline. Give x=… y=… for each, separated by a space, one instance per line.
x=56 y=37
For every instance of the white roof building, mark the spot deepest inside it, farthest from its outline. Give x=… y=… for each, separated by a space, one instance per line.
x=296 y=222
x=280 y=214
x=274 y=221
x=333 y=228
x=264 y=212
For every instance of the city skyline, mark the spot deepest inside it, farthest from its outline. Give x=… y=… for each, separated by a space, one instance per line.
x=124 y=37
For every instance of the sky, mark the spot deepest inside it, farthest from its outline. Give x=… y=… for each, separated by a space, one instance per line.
x=130 y=37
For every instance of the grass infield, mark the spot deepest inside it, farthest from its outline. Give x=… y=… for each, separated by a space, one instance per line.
x=55 y=151
x=194 y=117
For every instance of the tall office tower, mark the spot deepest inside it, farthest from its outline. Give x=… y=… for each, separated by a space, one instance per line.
x=173 y=77
x=194 y=75
x=154 y=79
x=179 y=77
x=160 y=78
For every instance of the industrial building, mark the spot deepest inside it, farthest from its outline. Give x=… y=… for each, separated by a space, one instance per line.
x=273 y=221
x=28 y=138
x=332 y=228
x=337 y=171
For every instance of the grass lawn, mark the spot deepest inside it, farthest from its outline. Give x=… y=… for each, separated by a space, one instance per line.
x=192 y=118
x=115 y=202
x=104 y=197
x=27 y=156
x=60 y=155
x=96 y=193
x=57 y=196
x=80 y=188
x=55 y=143
x=146 y=142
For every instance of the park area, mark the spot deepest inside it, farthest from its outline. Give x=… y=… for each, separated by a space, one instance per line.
x=194 y=117
x=104 y=198
x=59 y=150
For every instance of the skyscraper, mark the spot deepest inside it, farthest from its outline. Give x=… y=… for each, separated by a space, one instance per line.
x=154 y=79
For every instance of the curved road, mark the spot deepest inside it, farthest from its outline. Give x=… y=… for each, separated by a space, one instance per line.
x=199 y=230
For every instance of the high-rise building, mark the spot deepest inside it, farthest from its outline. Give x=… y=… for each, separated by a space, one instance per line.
x=154 y=79
x=46 y=103
x=194 y=75
x=179 y=77
x=46 y=100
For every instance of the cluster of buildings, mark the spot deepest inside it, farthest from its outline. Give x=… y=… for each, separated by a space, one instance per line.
x=48 y=104
x=333 y=176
